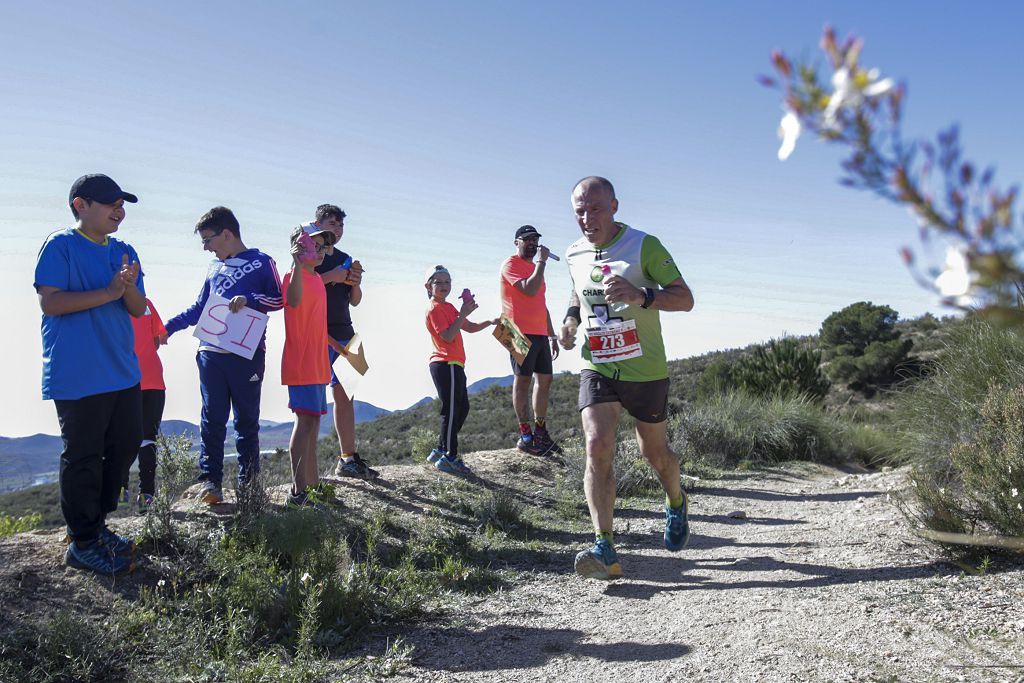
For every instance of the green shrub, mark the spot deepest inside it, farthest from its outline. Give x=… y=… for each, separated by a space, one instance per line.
x=175 y=470
x=16 y=525
x=717 y=378
x=739 y=427
x=421 y=442
x=943 y=410
x=961 y=428
x=781 y=368
x=980 y=489
x=863 y=345
x=497 y=509
x=66 y=648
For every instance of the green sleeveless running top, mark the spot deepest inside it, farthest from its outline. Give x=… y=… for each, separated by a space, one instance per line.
x=644 y=262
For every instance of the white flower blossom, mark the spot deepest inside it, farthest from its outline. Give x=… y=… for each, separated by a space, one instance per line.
x=789 y=131
x=161 y=583
x=1014 y=493
x=955 y=280
x=850 y=89
x=305 y=577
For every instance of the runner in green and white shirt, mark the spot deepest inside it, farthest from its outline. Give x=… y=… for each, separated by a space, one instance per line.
x=622 y=278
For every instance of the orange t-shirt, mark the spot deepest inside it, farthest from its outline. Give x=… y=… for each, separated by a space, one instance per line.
x=305 y=360
x=147 y=328
x=529 y=313
x=440 y=316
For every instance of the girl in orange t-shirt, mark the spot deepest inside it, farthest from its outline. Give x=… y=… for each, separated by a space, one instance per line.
x=150 y=334
x=447 y=365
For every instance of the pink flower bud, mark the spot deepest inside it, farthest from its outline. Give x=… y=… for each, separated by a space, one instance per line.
x=782 y=64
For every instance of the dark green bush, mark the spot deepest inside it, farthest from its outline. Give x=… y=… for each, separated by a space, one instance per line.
x=863 y=346
x=781 y=368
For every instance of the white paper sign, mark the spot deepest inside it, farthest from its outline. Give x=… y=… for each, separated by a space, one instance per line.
x=239 y=333
x=350 y=368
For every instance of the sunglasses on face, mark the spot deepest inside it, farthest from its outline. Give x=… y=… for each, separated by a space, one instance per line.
x=206 y=240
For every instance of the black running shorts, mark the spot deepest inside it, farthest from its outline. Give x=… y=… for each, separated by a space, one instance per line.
x=538 y=358
x=645 y=401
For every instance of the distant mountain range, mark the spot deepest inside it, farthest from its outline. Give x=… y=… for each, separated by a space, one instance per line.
x=31 y=460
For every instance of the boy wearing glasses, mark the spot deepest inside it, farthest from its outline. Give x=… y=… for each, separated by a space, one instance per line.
x=247 y=278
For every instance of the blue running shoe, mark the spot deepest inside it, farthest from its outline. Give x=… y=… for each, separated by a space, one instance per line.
x=435 y=455
x=97 y=557
x=119 y=544
x=599 y=562
x=677 y=528
x=450 y=466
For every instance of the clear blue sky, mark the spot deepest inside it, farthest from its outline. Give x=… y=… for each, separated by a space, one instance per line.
x=440 y=127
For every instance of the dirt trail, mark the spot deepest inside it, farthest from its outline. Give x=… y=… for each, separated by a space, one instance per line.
x=821 y=581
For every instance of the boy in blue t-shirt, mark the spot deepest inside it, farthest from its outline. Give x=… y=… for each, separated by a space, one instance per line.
x=89 y=284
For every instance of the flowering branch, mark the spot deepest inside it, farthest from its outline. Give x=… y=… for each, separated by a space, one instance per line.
x=846 y=104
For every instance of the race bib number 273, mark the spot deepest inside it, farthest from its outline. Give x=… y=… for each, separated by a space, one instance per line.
x=615 y=342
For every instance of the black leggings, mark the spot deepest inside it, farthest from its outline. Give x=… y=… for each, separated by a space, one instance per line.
x=152 y=413
x=450 y=381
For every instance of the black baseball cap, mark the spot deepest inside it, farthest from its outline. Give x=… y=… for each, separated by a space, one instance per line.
x=526 y=231
x=99 y=188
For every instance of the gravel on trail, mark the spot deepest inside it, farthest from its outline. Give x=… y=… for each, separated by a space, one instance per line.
x=821 y=581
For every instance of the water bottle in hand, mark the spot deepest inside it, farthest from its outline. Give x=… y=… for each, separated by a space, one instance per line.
x=606 y=270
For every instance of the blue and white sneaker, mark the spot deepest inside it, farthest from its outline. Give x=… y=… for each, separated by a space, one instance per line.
x=435 y=455
x=677 y=528
x=119 y=544
x=456 y=466
x=97 y=557
x=600 y=562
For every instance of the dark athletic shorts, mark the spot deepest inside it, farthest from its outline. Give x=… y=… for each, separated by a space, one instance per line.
x=645 y=401
x=538 y=359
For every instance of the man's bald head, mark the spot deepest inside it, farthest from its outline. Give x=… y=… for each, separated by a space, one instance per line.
x=593 y=200
x=592 y=180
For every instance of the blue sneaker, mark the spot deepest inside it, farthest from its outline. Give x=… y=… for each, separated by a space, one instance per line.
x=97 y=557
x=119 y=544
x=600 y=562
x=456 y=466
x=435 y=455
x=677 y=528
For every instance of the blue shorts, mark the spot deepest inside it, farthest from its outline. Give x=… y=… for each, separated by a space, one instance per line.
x=332 y=355
x=308 y=399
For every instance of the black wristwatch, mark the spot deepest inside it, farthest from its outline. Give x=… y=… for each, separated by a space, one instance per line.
x=648 y=298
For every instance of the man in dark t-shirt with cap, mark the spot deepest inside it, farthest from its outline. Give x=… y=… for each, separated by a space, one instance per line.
x=342 y=277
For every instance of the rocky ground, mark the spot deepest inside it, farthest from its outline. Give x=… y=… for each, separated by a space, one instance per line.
x=798 y=573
